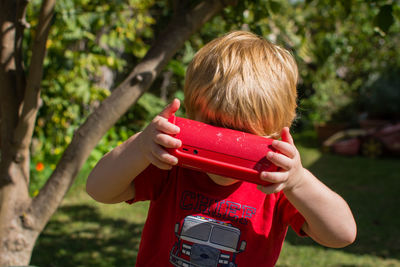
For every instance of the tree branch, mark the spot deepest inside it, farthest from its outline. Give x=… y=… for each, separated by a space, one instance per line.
x=21 y=24
x=26 y=123
x=111 y=109
x=8 y=102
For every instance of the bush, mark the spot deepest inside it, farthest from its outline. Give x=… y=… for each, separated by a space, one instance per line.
x=380 y=97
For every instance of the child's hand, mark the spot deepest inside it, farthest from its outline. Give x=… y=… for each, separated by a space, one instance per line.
x=289 y=161
x=155 y=137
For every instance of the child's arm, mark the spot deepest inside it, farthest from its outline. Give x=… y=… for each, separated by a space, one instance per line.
x=329 y=220
x=111 y=179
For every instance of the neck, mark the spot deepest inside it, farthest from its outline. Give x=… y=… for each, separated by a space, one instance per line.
x=220 y=180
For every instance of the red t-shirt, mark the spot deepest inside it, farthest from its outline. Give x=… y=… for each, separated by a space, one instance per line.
x=192 y=221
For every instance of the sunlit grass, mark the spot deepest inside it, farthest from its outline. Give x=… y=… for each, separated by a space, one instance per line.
x=303 y=255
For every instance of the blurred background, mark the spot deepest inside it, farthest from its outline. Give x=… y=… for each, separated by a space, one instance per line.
x=347 y=127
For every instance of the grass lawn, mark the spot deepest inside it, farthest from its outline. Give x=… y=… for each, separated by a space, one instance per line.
x=85 y=233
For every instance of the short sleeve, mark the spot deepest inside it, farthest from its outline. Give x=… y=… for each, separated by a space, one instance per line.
x=149 y=184
x=291 y=216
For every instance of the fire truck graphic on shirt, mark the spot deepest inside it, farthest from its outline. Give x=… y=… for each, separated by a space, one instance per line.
x=206 y=242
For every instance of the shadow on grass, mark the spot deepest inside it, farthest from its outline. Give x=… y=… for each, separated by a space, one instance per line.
x=371 y=188
x=79 y=236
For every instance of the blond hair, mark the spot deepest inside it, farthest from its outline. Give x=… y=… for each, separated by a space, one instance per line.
x=244 y=82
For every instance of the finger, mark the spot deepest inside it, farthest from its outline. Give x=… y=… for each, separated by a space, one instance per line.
x=163 y=155
x=286 y=136
x=270 y=189
x=167 y=141
x=158 y=163
x=285 y=148
x=171 y=108
x=165 y=126
x=274 y=177
x=280 y=160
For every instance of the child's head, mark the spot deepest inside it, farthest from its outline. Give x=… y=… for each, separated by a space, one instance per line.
x=242 y=81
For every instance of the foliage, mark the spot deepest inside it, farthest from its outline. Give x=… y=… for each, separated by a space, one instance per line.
x=89 y=42
x=339 y=45
x=380 y=95
x=342 y=45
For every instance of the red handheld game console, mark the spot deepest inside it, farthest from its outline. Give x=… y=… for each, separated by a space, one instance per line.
x=222 y=151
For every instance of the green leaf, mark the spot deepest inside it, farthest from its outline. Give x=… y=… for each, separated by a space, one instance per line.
x=177 y=68
x=384 y=19
x=275 y=6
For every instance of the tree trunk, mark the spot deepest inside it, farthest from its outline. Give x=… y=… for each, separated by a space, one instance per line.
x=22 y=218
x=19 y=100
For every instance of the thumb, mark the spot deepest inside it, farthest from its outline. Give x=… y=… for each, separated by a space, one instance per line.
x=286 y=136
x=171 y=108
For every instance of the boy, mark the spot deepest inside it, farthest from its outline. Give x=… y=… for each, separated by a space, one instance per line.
x=243 y=82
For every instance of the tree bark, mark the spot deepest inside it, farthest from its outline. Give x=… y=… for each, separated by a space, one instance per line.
x=24 y=130
x=23 y=222
x=19 y=99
